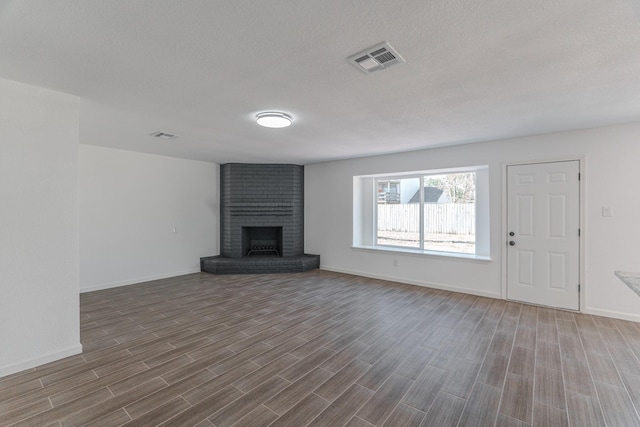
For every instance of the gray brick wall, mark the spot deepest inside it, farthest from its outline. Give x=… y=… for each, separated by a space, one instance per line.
x=261 y=195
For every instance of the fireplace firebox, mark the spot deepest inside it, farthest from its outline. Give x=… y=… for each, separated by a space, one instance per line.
x=261 y=241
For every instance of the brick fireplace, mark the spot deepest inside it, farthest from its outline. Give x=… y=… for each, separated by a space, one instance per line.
x=261 y=220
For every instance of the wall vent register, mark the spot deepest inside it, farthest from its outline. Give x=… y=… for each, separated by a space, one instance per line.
x=163 y=135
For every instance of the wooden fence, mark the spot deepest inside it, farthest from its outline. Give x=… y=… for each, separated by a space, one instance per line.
x=440 y=218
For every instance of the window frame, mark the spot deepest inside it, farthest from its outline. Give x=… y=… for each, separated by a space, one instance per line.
x=366 y=237
x=421 y=211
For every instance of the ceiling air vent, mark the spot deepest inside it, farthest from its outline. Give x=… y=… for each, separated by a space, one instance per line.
x=163 y=135
x=378 y=57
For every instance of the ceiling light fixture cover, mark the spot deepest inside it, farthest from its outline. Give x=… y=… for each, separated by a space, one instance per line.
x=274 y=119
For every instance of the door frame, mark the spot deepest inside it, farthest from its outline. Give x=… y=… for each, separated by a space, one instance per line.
x=582 y=163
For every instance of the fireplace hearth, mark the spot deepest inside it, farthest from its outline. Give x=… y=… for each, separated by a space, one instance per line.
x=261 y=220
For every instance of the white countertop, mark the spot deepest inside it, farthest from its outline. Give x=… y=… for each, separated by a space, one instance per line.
x=632 y=280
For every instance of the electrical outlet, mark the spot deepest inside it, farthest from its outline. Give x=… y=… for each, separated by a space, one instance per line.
x=607 y=211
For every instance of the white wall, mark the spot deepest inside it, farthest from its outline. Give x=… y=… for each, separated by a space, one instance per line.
x=39 y=306
x=612 y=176
x=130 y=204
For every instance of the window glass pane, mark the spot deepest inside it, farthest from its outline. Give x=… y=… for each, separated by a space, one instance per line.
x=398 y=207
x=450 y=212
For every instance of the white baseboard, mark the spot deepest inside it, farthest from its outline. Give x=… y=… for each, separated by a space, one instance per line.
x=137 y=280
x=613 y=314
x=440 y=286
x=32 y=363
x=592 y=311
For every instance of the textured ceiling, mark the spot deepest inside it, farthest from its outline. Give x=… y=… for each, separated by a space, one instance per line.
x=475 y=70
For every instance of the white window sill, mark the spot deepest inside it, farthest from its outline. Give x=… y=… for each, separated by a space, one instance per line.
x=418 y=252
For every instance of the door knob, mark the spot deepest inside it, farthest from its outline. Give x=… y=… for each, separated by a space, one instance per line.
x=512 y=243
x=511 y=233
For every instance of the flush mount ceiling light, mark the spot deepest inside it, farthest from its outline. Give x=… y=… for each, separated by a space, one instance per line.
x=273 y=119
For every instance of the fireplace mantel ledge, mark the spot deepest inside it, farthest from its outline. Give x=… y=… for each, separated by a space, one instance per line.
x=632 y=280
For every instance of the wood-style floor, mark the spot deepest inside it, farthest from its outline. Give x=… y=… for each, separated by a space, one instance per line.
x=327 y=349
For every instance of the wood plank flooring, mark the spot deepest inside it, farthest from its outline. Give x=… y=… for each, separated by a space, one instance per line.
x=328 y=349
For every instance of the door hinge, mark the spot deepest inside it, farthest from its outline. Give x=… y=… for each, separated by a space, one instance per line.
x=579 y=175
x=579 y=232
x=578 y=287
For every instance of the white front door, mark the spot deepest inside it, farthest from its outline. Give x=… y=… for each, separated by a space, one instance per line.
x=543 y=241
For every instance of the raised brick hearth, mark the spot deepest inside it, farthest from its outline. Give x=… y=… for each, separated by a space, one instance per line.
x=261 y=220
x=259 y=264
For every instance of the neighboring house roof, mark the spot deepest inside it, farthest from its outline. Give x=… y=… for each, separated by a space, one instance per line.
x=431 y=195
